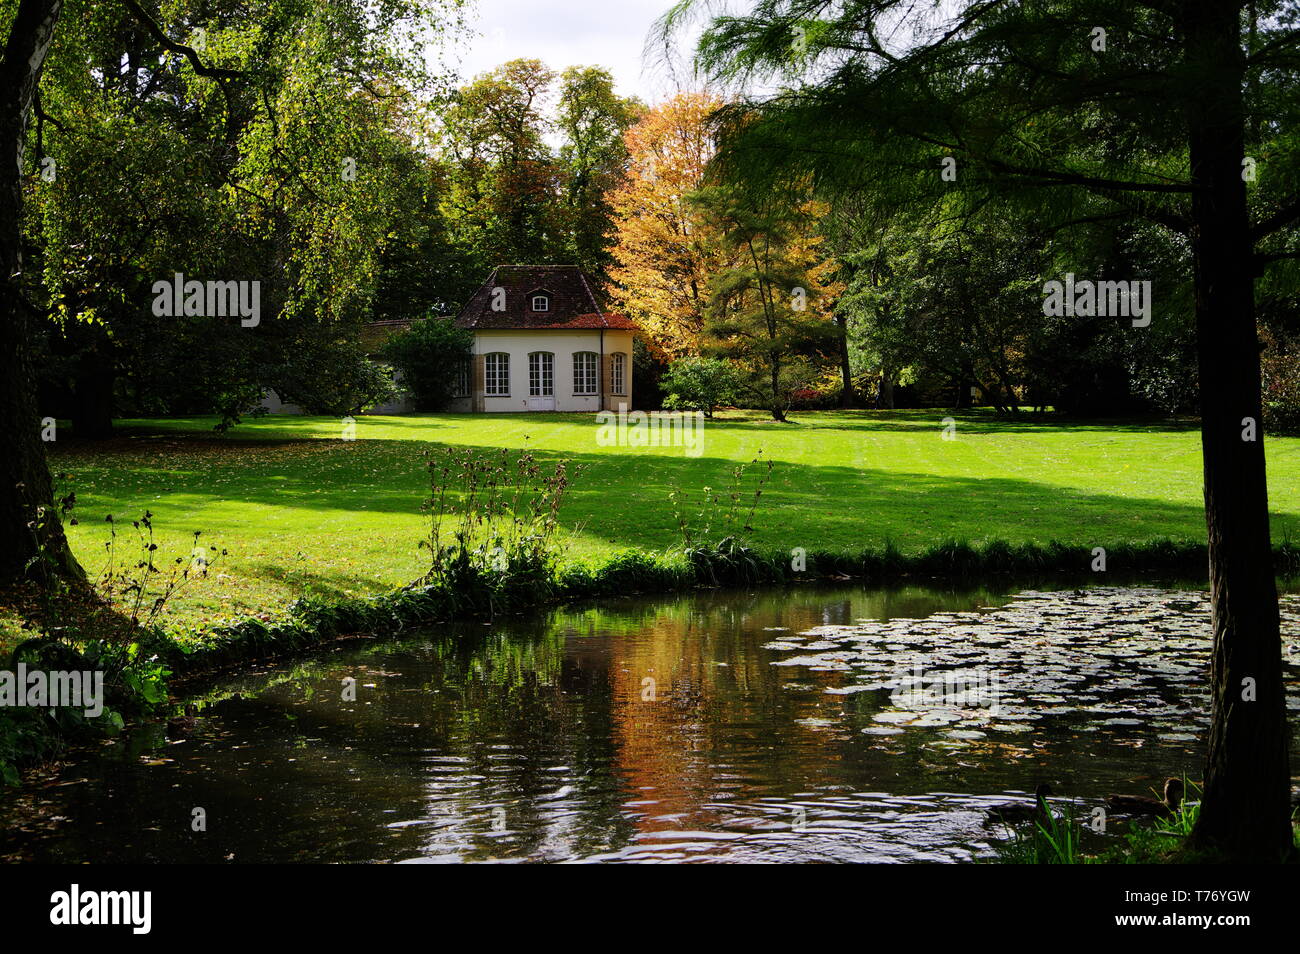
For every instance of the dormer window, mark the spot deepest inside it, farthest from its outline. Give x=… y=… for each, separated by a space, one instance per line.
x=541 y=303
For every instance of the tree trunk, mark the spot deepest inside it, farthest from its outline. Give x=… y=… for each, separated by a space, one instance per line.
x=885 y=396
x=847 y=396
x=29 y=523
x=1245 y=807
x=778 y=412
x=965 y=381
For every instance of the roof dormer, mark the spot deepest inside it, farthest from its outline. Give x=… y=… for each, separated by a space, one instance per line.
x=539 y=301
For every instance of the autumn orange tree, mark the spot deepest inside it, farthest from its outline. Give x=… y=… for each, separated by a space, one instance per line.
x=664 y=253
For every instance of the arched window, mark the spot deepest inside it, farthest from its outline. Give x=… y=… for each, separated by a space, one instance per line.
x=585 y=365
x=496 y=374
x=618 y=373
x=541 y=303
x=541 y=374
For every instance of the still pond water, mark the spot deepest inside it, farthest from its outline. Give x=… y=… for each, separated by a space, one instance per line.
x=801 y=725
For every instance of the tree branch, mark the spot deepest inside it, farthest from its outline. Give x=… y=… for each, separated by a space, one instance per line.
x=1263 y=260
x=1282 y=217
x=167 y=43
x=1095 y=182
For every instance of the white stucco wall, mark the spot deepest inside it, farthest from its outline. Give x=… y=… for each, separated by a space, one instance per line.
x=563 y=344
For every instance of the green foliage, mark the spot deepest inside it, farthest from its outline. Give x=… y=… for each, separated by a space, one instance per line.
x=700 y=384
x=1049 y=840
x=1161 y=842
x=296 y=167
x=513 y=199
x=648 y=369
x=767 y=309
x=503 y=179
x=592 y=119
x=27 y=736
x=719 y=509
x=962 y=301
x=960 y=297
x=1280 y=380
x=100 y=631
x=133 y=684
x=429 y=356
x=140 y=584
x=1007 y=112
x=492 y=524
x=1054 y=840
x=333 y=378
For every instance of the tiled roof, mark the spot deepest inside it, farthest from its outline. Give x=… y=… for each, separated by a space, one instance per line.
x=375 y=333
x=604 y=319
x=573 y=303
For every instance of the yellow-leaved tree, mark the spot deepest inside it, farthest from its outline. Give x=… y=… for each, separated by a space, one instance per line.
x=664 y=254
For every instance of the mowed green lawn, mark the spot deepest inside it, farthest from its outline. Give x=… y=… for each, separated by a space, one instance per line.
x=302 y=511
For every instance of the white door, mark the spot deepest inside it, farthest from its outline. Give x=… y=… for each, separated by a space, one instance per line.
x=541 y=381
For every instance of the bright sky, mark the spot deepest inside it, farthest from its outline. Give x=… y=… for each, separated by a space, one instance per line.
x=562 y=33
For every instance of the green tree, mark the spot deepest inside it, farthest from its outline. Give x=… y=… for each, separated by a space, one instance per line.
x=503 y=201
x=960 y=299
x=768 y=309
x=1176 y=113
x=700 y=384
x=29 y=528
x=298 y=176
x=423 y=270
x=593 y=120
x=190 y=140
x=429 y=356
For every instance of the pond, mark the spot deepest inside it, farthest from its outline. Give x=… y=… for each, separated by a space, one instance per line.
x=841 y=724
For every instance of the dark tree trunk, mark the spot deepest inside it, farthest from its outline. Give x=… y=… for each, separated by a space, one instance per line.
x=778 y=412
x=965 y=381
x=847 y=396
x=885 y=396
x=26 y=491
x=1245 y=808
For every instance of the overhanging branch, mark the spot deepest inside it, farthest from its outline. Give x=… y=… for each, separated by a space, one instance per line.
x=156 y=31
x=1279 y=219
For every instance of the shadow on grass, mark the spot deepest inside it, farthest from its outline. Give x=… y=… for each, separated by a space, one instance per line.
x=303 y=578
x=622 y=498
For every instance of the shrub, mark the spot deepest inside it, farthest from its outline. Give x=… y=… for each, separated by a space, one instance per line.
x=334 y=379
x=492 y=525
x=700 y=384
x=429 y=356
x=1280 y=381
x=815 y=398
